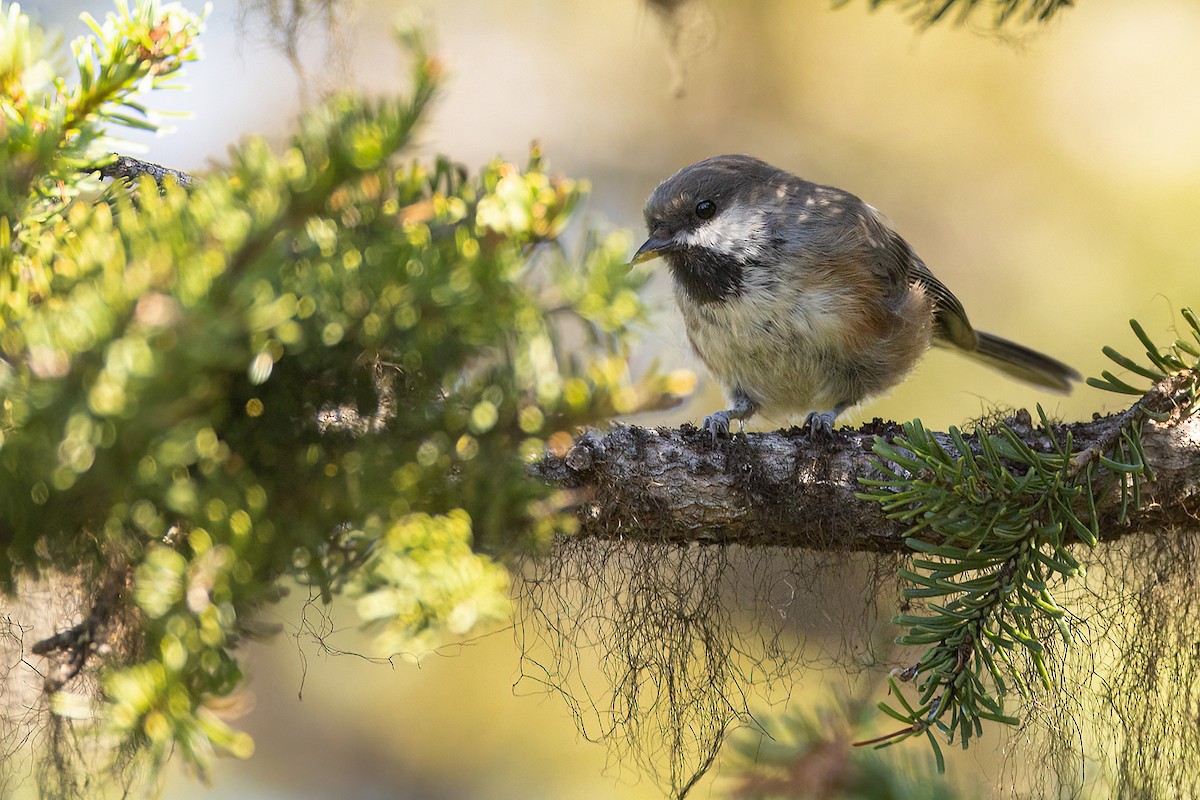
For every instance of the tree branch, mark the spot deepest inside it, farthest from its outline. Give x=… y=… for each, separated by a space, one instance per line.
x=781 y=489
x=130 y=169
x=69 y=650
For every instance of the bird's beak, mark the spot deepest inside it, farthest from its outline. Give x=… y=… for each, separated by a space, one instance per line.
x=652 y=248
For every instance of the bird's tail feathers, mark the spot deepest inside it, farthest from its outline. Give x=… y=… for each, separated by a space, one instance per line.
x=1023 y=363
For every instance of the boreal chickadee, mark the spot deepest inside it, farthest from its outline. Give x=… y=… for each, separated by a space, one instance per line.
x=800 y=297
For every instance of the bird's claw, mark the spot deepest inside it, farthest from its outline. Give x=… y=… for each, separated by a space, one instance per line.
x=717 y=423
x=820 y=425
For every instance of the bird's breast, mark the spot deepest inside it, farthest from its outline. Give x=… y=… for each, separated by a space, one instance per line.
x=774 y=342
x=796 y=338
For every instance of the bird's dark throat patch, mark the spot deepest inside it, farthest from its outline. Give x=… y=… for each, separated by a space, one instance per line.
x=706 y=276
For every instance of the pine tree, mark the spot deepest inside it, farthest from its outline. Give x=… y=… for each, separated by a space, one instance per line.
x=328 y=365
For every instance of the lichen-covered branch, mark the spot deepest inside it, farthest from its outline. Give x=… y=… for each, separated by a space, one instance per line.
x=130 y=169
x=781 y=489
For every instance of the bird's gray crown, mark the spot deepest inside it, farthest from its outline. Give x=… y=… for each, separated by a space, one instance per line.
x=722 y=180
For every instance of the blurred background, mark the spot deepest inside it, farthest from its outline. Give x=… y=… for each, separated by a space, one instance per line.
x=1050 y=178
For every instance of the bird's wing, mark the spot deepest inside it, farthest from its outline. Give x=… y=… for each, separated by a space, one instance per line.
x=950 y=323
x=900 y=267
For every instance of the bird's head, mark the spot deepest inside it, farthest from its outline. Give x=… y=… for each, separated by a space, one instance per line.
x=711 y=220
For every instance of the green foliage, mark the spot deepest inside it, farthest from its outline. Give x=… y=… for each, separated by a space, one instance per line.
x=989 y=530
x=1003 y=12
x=994 y=527
x=1161 y=363
x=321 y=366
x=51 y=128
x=801 y=756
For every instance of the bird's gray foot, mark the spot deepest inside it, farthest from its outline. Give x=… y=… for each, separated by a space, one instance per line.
x=717 y=423
x=820 y=425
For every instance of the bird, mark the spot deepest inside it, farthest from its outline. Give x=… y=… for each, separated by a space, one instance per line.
x=801 y=297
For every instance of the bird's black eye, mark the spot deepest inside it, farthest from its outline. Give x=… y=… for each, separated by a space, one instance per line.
x=705 y=209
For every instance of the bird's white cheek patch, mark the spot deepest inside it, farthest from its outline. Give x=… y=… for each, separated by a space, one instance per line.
x=737 y=231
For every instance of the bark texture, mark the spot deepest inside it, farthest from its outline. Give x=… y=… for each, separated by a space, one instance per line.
x=128 y=168
x=783 y=489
